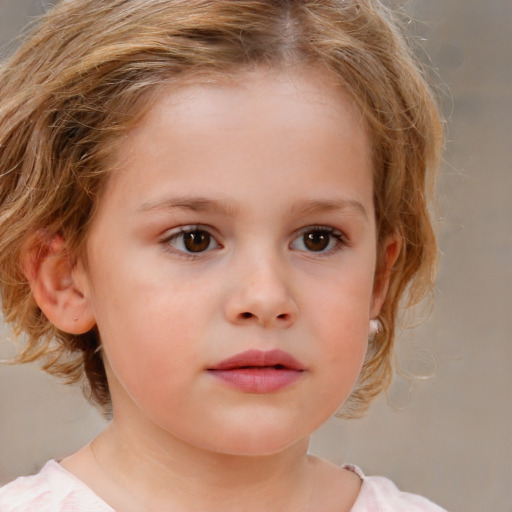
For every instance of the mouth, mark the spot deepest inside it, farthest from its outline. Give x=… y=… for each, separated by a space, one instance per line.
x=256 y=371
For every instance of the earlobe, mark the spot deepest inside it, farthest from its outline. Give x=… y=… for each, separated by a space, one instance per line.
x=50 y=272
x=390 y=252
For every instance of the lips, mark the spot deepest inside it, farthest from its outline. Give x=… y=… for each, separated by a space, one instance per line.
x=256 y=371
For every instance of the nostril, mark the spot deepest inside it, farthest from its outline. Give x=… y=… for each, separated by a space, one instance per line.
x=246 y=315
x=283 y=316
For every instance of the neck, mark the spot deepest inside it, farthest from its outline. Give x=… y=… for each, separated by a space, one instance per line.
x=164 y=473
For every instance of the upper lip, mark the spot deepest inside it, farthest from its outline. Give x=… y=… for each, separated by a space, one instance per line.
x=260 y=358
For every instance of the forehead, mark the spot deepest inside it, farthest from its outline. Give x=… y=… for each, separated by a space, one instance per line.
x=287 y=95
x=278 y=119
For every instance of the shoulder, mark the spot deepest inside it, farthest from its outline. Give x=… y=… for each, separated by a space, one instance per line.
x=379 y=494
x=53 y=489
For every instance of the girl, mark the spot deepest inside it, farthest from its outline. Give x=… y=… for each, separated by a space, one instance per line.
x=211 y=211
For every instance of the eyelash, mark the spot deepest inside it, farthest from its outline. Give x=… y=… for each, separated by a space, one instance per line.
x=340 y=240
x=182 y=233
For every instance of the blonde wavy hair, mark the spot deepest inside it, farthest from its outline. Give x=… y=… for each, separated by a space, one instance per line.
x=90 y=70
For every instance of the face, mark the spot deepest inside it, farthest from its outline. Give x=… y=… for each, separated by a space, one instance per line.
x=231 y=262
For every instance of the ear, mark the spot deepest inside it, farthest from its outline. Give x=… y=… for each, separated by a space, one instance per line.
x=53 y=280
x=388 y=256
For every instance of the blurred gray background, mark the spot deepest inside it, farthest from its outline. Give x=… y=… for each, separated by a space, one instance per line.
x=446 y=435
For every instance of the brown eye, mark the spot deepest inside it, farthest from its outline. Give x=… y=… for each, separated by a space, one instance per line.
x=196 y=241
x=317 y=240
x=192 y=241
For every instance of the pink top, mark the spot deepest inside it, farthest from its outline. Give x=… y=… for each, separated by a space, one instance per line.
x=54 y=489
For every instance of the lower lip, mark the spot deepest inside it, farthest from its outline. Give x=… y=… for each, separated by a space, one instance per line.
x=258 y=380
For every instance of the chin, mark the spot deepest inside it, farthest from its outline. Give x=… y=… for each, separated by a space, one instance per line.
x=257 y=441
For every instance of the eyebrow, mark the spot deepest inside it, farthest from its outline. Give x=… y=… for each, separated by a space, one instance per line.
x=192 y=203
x=330 y=205
x=204 y=204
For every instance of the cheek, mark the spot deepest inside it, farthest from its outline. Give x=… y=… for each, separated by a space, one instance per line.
x=343 y=304
x=341 y=313
x=148 y=328
x=151 y=327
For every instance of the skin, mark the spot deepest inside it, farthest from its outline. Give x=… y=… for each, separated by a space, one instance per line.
x=257 y=162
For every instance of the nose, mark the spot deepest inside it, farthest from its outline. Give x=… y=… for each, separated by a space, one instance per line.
x=261 y=295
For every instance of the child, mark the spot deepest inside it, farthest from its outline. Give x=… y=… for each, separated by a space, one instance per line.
x=211 y=210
